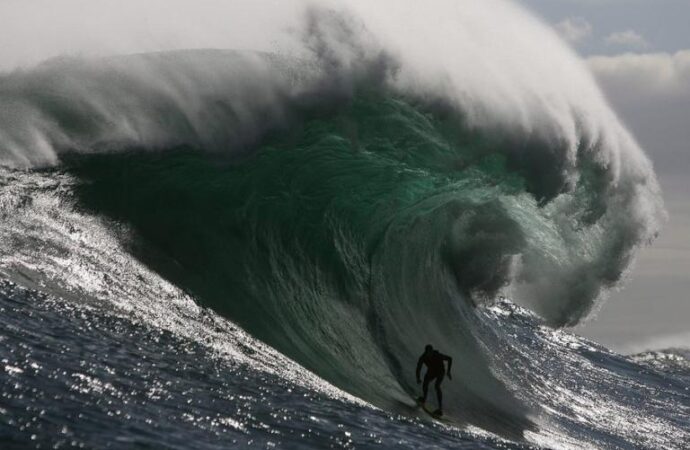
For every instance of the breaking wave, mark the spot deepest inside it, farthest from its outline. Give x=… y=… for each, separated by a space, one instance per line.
x=351 y=201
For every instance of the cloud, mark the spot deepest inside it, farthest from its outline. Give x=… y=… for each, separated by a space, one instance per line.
x=574 y=29
x=628 y=38
x=653 y=74
x=652 y=94
x=657 y=343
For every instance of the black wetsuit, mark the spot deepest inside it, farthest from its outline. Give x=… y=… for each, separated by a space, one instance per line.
x=435 y=371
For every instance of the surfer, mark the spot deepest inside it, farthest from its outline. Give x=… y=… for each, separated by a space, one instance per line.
x=435 y=369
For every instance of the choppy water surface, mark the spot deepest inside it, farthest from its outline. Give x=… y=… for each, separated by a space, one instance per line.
x=74 y=376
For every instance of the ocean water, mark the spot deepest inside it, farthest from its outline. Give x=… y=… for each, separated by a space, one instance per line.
x=208 y=248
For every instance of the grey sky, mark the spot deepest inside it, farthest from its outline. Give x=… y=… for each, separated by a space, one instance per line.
x=663 y=23
x=639 y=51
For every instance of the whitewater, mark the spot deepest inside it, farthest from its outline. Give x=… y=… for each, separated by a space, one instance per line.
x=240 y=224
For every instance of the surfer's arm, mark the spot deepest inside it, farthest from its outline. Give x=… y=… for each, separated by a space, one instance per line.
x=419 y=368
x=450 y=364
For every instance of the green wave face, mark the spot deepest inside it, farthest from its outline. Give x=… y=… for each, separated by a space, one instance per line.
x=357 y=236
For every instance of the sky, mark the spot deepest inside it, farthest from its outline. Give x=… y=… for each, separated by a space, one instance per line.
x=639 y=52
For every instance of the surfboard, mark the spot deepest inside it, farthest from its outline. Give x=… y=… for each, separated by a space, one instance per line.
x=430 y=413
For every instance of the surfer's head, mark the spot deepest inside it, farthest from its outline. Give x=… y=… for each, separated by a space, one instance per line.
x=428 y=349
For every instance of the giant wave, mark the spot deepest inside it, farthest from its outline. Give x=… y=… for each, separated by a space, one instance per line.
x=364 y=193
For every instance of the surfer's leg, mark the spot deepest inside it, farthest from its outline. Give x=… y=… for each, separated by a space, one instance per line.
x=439 y=394
x=425 y=386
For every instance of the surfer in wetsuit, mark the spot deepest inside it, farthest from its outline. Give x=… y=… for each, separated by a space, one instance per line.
x=435 y=369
